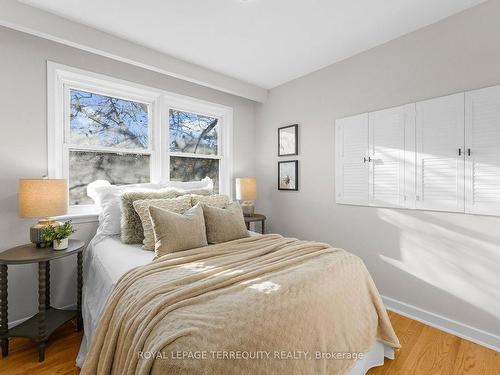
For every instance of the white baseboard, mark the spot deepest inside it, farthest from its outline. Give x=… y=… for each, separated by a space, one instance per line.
x=453 y=327
x=19 y=321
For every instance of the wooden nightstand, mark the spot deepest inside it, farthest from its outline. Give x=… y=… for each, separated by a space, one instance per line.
x=42 y=325
x=254 y=218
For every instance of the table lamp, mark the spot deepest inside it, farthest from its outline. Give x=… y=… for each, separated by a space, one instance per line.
x=246 y=191
x=42 y=198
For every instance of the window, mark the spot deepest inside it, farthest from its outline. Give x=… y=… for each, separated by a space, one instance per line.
x=194 y=146
x=109 y=129
x=108 y=140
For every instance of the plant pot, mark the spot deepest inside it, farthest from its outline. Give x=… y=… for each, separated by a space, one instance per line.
x=61 y=244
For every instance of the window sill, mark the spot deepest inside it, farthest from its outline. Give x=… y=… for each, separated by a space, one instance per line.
x=82 y=214
x=79 y=218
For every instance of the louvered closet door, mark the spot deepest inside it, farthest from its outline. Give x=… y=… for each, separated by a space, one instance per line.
x=351 y=153
x=482 y=142
x=440 y=154
x=387 y=157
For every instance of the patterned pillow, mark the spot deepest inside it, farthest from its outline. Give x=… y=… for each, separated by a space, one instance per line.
x=131 y=226
x=178 y=205
x=216 y=200
x=107 y=197
x=198 y=191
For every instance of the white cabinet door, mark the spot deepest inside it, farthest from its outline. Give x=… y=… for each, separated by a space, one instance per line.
x=387 y=130
x=440 y=154
x=351 y=158
x=482 y=143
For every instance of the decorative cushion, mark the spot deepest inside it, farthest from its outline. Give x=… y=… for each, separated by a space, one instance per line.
x=224 y=225
x=215 y=200
x=177 y=232
x=107 y=197
x=178 y=205
x=131 y=226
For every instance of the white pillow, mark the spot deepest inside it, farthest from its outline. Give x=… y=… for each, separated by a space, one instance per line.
x=108 y=198
x=91 y=190
x=96 y=195
x=206 y=183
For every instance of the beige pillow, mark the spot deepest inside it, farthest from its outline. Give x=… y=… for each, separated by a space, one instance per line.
x=224 y=224
x=176 y=232
x=178 y=205
x=131 y=226
x=216 y=200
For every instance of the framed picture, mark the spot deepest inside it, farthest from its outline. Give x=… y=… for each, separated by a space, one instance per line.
x=288 y=140
x=288 y=175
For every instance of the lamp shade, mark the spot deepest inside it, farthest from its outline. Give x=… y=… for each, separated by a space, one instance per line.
x=246 y=188
x=43 y=197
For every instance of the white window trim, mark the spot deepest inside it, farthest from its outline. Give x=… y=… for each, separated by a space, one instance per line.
x=60 y=77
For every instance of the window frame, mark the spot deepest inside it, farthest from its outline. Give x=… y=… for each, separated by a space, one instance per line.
x=62 y=78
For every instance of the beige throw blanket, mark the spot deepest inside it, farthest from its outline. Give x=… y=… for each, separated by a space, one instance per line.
x=258 y=305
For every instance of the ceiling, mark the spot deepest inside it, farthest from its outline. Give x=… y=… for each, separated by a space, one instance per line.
x=263 y=42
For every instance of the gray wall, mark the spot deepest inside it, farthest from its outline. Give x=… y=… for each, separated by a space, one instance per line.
x=444 y=263
x=23 y=146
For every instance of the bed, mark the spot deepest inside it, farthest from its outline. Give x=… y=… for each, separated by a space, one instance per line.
x=107 y=260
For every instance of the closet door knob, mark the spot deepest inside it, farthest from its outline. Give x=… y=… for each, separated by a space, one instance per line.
x=459 y=152
x=364 y=159
x=468 y=152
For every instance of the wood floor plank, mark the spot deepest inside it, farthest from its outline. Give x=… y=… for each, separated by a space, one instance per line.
x=472 y=359
x=432 y=353
x=408 y=330
x=425 y=351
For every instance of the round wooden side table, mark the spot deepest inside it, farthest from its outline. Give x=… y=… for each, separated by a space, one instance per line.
x=40 y=326
x=255 y=218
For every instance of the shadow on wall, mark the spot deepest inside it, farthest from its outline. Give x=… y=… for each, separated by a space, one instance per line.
x=453 y=258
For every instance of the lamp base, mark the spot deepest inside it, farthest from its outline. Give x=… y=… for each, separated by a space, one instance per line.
x=36 y=231
x=248 y=208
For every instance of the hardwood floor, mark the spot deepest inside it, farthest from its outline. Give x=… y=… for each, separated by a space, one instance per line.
x=60 y=354
x=425 y=351
x=429 y=351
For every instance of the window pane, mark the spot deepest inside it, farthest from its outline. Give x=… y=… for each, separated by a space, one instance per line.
x=98 y=120
x=193 y=169
x=190 y=132
x=85 y=167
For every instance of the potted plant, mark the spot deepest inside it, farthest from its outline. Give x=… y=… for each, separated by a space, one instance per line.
x=58 y=235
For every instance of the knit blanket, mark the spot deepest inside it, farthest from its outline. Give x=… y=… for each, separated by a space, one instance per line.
x=264 y=304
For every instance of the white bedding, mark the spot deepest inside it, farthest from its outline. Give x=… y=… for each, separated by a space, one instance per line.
x=107 y=259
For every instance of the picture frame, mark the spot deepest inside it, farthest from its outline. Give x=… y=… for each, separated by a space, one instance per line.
x=288 y=140
x=288 y=175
